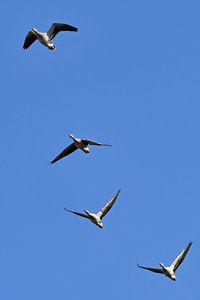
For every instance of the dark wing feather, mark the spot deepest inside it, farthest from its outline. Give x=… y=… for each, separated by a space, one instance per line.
x=89 y=142
x=57 y=27
x=180 y=258
x=71 y=148
x=152 y=269
x=77 y=213
x=30 y=39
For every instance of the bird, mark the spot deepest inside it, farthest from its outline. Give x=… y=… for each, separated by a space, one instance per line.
x=77 y=144
x=96 y=218
x=170 y=271
x=45 y=38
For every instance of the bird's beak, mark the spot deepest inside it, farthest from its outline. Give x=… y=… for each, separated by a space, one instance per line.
x=71 y=136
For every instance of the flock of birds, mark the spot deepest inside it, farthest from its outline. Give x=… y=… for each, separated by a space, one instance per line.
x=46 y=39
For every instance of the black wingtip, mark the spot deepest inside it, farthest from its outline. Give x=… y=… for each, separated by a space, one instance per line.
x=53 y=161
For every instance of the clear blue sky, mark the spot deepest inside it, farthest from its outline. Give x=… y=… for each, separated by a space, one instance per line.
x=129 y=77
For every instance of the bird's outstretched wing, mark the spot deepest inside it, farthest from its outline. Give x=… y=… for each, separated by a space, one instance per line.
x=57 y=27
x=71 y=148
x=180 y=258
x=30 y=39
x=77 y=213
x=89 y=142
x=103 y=211
x=151 y=269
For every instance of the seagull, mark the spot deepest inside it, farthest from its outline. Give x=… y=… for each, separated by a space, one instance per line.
x=97 y=218
x=170 y=271
x=77 y=144
x=45 y=38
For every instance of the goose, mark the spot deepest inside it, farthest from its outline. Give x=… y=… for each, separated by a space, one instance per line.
x=96 y=218
x=170 y=271
x=77 y=144
x=45 y=38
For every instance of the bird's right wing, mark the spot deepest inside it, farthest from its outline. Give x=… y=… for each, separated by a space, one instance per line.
x=30 y=39
x=103 y=211
x=57 y=27
x=71 y=148
x=151 y=269
x=77 y=213
x=179 y=259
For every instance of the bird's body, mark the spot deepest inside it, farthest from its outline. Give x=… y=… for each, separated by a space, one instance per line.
x=46 y=38
x=170 y=271
x=96 y=218
x=77 y=144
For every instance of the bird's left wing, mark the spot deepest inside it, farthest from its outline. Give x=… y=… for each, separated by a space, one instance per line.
x=180 y=258
x=57 y=27
x=77 y=213
x=103 y=211
x=71 y=148
x=151 y=269
x=89 y=142
x=30 y=39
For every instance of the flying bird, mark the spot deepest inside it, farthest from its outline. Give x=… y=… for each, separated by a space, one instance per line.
x=45 y=38
x=96 y=218
x=77 y=144
x=170 y=271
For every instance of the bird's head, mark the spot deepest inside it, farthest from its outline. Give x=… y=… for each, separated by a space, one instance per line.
x=161 y=264
x=35 y=30
x=71 y=136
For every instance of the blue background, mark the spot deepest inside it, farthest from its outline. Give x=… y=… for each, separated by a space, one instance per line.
x=129 y=77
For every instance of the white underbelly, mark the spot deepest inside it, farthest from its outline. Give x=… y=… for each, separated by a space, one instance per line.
x=44 y=40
